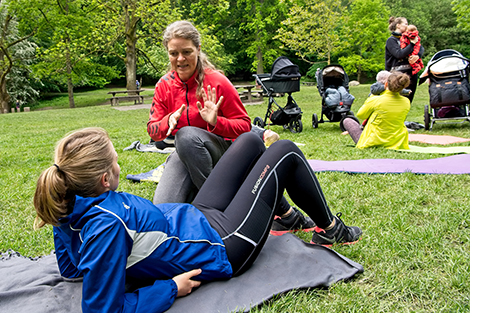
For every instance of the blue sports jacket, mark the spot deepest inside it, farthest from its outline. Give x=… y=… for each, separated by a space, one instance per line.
x=116 y=235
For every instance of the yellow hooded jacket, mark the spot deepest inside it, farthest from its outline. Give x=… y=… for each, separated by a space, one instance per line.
x=385 y=127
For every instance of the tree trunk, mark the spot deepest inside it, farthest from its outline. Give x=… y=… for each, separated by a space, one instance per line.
x=259 y=57
x=130 y=59
x=4 y=96
x=70 y=86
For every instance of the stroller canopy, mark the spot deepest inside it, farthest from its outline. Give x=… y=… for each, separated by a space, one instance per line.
x=443 y=63
x=331 y=76
x=283 y=68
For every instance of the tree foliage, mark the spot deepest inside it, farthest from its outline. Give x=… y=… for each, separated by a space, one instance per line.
x=16 y=53
x=93 y=42
x=311 y=29
x=363 y=37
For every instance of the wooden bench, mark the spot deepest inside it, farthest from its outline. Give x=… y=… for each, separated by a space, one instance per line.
x=247 y=95
x=132 y=95
x=115 y=100
x=308 y=83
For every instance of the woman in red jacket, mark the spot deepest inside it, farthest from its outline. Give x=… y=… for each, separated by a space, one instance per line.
x=198 y=105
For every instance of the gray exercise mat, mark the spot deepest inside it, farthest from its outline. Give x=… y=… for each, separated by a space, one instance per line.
x=285 y=263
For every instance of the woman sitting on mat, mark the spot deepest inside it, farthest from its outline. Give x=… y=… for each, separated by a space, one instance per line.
x=180 y=108
x=109 y=237
x=385 y=115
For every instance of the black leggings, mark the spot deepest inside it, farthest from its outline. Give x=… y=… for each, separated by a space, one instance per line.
x=240 y=196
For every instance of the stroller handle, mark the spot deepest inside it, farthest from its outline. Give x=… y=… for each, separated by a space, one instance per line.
x=258 y=80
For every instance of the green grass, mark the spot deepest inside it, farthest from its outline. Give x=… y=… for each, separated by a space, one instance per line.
x=416 y=244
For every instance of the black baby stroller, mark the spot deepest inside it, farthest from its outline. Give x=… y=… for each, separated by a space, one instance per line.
x=333 y=86
x=284 y=78
x=449 y=88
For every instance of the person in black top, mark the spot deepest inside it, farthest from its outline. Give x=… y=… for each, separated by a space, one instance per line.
x=400 y=59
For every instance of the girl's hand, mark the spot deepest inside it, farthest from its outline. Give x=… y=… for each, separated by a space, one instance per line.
x=184 y=282
x=211 y=106
x=174 y=118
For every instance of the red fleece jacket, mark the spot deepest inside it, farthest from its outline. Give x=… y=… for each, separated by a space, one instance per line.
x=405 y=40
x=171 y=93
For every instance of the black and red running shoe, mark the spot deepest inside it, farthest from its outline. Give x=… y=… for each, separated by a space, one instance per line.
x=296 y=221
x=339 y=234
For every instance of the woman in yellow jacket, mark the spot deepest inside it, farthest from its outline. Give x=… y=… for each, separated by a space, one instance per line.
x=385 y=116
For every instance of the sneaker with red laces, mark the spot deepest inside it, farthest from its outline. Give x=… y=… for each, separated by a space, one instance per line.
x=338 y=234
x=296 y=221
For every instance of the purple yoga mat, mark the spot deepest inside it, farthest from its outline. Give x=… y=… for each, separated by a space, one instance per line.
x=457 y=164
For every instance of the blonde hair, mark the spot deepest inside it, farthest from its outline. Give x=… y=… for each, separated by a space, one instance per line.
x=412 y=28
x=185 y=30
x=397 y=81
x=81 y=158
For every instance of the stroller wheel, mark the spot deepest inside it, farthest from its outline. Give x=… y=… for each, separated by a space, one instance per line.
x=315 y=121
x=296 y=126
x=258 y=121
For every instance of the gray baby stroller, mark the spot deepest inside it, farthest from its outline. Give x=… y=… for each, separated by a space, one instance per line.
x=284 y=78
x=449 y=88
x=333 y=86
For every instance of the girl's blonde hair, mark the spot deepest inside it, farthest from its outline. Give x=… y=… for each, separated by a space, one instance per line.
x=397 y=81
x=81 y=158
x=185 y=30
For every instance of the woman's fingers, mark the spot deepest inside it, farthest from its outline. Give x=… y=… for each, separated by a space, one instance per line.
x=174 y=118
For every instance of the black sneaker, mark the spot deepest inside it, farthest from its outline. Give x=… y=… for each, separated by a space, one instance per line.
x=296 y=221
x=340 y=233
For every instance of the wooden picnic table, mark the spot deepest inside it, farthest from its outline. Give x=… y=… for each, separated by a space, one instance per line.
x=131 y=95
x=247 y=93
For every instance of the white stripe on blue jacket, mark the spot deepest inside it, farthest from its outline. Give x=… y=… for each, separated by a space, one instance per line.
x=107 y=238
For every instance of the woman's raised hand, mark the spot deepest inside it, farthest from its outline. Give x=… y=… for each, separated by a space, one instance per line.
x=174 y=118
x=211 y=106
x=184 y=282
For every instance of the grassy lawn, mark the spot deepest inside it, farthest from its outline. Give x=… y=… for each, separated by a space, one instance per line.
x=416 y=244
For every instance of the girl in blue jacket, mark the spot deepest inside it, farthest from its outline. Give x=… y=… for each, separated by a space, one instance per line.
x=112 y=238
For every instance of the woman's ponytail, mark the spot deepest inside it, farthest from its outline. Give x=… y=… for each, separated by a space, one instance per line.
x=81 y=159
x=50 y=198
x=397 y=81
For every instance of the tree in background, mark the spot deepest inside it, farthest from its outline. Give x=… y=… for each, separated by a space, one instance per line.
x=259 y=22
x=129 y=21
x=311 y=29
x=70 y=42
x=363 y=38
x=462 y=10
x=15 y=53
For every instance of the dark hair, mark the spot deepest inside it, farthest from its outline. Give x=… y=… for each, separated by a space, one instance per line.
x=393 y=21
x=397 y=81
